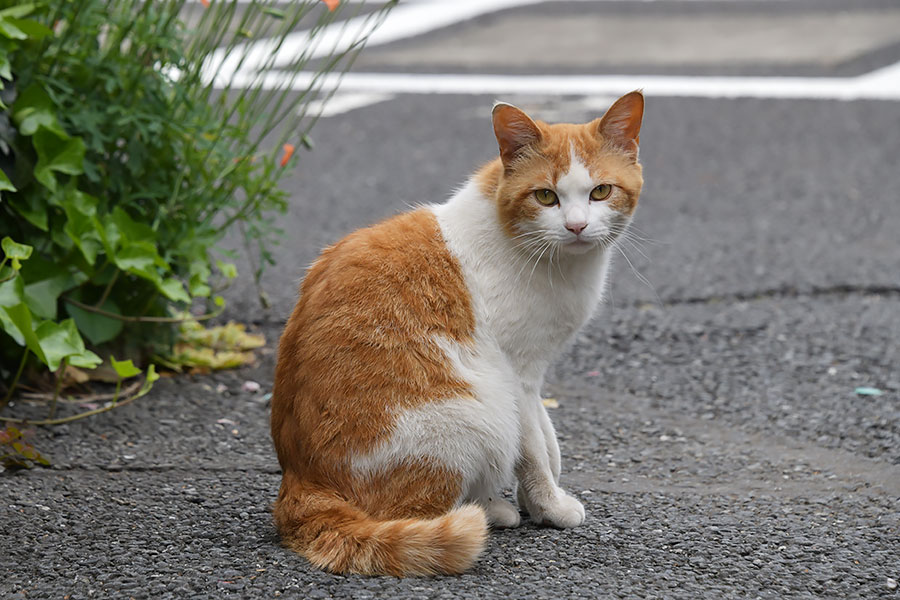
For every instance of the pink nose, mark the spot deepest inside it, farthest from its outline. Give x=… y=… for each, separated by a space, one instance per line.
x=576 y=228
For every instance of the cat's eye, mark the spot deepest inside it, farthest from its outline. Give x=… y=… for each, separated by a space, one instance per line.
x=546 y=197
x=601 y=192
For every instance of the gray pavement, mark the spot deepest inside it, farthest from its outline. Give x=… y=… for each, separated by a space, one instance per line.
x=707 y=418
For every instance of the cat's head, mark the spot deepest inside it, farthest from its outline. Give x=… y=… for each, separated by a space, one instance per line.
x=568 y=187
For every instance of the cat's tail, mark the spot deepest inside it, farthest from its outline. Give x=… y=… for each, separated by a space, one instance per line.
x=335 y=536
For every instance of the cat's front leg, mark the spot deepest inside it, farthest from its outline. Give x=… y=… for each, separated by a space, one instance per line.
x=537 y=470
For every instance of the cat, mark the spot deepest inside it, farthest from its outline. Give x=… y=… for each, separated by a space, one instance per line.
x=407 y=386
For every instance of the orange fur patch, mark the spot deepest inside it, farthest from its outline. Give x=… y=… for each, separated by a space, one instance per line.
x=357 y=351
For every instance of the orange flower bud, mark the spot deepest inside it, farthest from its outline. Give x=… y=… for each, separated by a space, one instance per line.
x=331 y=4
x=288 y=153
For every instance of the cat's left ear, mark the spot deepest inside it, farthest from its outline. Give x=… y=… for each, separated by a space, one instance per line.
x=514 y=130
x=621 y=125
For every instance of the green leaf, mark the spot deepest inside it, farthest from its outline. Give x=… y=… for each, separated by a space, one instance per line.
x=12 y=292
x=85 y=360
x=83 y=203
x=5 y=184
x=20 y=316
x=131 y=229
x=31 y=207
x=11 y=295
x=59 y=341
x=42 y=296
x=139 y=258
x=173 y=290
x=15 y=250
x=96 y=327
x=56 y=154
x=82 y=230
x=151 y=377
x=32 y=29
x=17 y=12
x=10 y=31
x=227 y=269
x=34 y=109
x=124 y=368
x=10 y=328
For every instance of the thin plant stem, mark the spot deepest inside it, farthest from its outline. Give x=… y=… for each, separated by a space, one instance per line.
x=132 y=319
x=107 y=290
x=15 y=380
x=76 y=417
x=60 y=375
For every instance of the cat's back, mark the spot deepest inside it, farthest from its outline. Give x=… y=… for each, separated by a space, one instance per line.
x=397 y=276
x=362 y=339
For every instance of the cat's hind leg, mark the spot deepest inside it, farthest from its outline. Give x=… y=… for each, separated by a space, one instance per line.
x=499 y=511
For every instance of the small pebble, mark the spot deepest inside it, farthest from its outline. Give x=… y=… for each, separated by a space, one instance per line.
x=891 y=584
x=250 y=386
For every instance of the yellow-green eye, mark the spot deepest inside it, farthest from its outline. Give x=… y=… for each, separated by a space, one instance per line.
x=546 y=197
x=601 y=192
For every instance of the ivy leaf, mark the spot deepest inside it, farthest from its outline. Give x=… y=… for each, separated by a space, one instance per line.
x=10 y=31
x=56 y=154
x=82 y=230
x=59 y=341
x=173 y=290
x=12 y=292
x=32 y=29
x=17 y=12
x=5 y=184
x=30 y=206
x=124 y=368
x=34 y=109
x=42 y=295
x=85 y=360
x=20 y=317
x=15 y=250
x=96 y=327
x=131 y=229
x=227 y=269
x=139 y=258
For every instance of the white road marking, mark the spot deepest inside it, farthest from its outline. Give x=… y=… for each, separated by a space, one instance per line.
x=881 y=84
x=416 y=17
x=405 y=20
x=342 y=102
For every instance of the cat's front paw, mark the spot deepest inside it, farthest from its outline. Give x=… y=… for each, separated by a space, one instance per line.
x=562 y=511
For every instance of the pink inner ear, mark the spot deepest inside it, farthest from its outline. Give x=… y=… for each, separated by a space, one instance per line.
x=621 y=125
x=514 y=130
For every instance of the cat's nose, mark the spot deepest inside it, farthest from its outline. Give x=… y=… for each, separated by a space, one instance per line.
x=576 y=227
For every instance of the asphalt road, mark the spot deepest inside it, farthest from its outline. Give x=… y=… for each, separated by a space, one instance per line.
x=707 y=417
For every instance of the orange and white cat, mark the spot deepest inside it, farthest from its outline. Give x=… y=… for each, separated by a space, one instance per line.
x=407 y=391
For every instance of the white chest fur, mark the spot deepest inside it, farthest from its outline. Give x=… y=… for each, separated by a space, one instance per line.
x=531 y=306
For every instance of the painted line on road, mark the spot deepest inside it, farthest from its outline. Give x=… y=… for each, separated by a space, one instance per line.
x=404 y=21
x=881 y=84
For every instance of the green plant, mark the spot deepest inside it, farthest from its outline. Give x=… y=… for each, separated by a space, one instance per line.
x=130 y=144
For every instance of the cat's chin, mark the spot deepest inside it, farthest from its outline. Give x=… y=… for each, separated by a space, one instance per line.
x=578 y=247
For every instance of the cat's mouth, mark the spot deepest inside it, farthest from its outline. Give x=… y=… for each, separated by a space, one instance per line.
x=578 y=245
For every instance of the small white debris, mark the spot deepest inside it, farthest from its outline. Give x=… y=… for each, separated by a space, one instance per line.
x=664 y=438
x=221 y=388
x=832 y=371
x=891 y=583
x=250 y=386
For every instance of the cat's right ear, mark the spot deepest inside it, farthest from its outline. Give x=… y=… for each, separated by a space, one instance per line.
x=514 y=130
